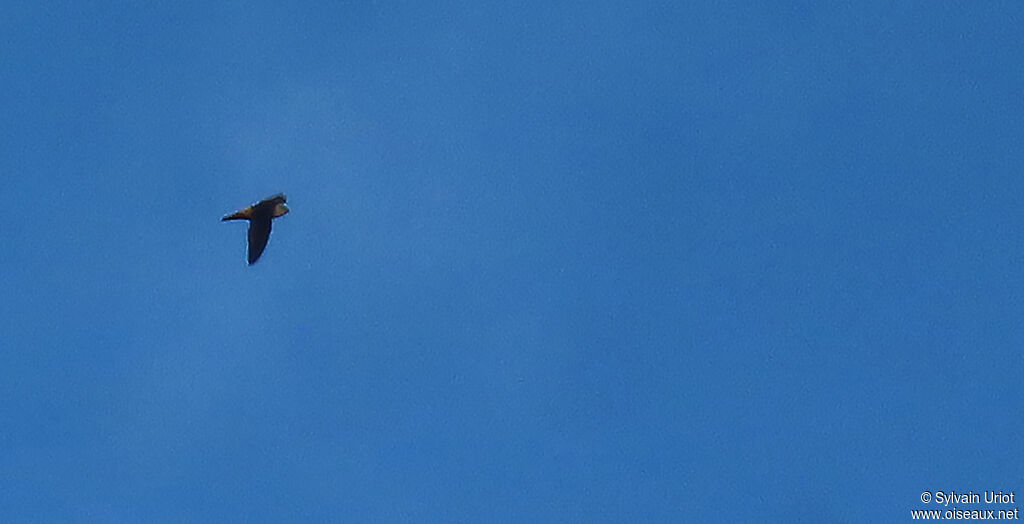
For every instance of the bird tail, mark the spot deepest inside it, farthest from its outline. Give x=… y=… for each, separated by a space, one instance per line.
x=244 y=214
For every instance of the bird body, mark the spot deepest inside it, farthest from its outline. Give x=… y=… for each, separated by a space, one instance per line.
x=260 y=216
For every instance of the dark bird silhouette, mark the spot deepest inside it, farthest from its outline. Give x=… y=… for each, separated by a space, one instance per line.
x=259 y=216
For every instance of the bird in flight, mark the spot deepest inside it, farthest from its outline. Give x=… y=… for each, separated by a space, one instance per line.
x=259 y=216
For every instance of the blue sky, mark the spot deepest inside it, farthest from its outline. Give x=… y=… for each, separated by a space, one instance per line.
x=546 y=262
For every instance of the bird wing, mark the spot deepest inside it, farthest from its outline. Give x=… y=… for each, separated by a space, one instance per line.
x=272 y=201
x=259 y=234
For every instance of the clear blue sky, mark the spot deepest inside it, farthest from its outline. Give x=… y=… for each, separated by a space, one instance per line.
x=546 y=262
